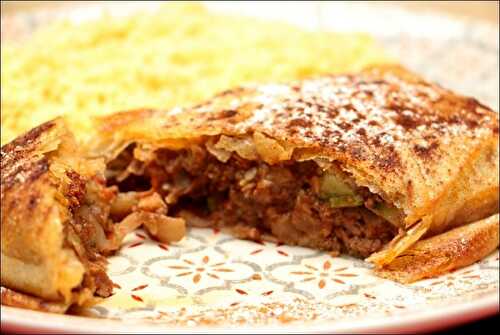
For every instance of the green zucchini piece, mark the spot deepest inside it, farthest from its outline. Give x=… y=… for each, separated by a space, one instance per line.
x=388 y=212
x=339 y=201
x=338 y=192
x=331 y=185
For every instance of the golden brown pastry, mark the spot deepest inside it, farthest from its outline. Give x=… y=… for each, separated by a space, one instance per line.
x=451 y=250
x=43 y=183
x=57 y=221
x=342 y=163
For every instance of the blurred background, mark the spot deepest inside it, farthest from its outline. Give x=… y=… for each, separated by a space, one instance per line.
x=88 y=58
x=480 y=10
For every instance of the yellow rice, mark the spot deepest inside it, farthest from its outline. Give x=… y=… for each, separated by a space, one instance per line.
x=178 y=55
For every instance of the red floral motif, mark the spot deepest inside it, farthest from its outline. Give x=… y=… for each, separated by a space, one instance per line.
x=140 y=287
x=327 y=274
x=136 y=298
x=135 y=289
x=255 y=252
x=281 y=252
x=242 y=292
x=163 y=246
x=198 y=270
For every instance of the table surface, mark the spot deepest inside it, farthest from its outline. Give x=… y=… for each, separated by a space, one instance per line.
x=479 y=10
x=476 y=10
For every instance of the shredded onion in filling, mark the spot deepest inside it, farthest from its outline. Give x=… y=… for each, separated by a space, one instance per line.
x=147 y=209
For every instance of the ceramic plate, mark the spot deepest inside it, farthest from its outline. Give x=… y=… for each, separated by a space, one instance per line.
x=213 y=282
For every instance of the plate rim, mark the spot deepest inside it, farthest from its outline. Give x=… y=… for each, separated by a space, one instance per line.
x=15 y=319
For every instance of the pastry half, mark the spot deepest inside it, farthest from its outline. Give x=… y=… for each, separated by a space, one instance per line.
x=364 y=164
x=43 y=184
x=57 y=221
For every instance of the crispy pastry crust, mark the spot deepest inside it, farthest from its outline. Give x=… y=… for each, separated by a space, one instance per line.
x=432 y=153
x=451 y=250
x=34 y=208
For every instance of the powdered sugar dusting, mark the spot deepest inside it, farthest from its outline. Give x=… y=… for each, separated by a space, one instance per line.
x=368 y=115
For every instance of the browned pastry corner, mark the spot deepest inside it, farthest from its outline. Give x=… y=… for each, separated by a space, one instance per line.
x=445 y=252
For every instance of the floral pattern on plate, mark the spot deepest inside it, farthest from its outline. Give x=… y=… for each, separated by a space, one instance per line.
x=211 y=278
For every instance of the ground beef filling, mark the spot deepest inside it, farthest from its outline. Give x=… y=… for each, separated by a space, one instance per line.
x=255 y=200
x=89 y=208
